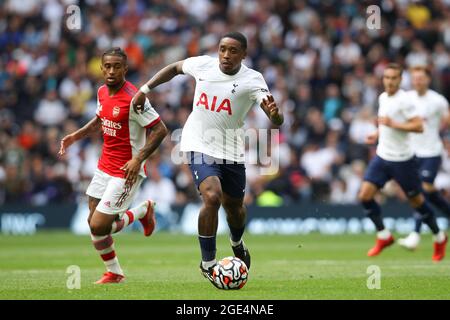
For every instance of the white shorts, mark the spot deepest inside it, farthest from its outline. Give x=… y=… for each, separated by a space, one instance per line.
x=115 y=197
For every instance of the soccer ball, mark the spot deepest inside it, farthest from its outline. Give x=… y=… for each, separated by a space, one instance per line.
x=230 y=273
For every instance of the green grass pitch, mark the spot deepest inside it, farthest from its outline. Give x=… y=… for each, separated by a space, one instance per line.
x=165 y=267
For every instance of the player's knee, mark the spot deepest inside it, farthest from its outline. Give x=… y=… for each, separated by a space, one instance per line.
x=234 y=210
x=364 y=196
x=99 y=229
x=417 y=200
x=89 y=219
x=428 y=187
x=212 y=198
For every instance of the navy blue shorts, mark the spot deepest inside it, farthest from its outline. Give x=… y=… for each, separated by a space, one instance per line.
x=428 y=168
x=405 y=173
x=230 y=174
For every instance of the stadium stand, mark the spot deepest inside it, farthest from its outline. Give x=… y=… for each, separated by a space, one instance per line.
x=320 y=60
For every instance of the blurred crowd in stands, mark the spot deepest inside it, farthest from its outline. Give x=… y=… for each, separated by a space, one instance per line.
x=321 y=61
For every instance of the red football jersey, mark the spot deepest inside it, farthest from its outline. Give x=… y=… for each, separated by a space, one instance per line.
x=124 y=131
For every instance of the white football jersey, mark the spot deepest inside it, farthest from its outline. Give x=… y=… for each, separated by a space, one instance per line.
x=433 y=108
x=220 y=105
x=393 y=144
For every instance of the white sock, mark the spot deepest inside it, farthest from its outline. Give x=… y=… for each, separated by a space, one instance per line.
x=439 y=237
x=208 y=264
x=383 y=234
x=114 y=266
x=139 y=211
x=234 y=244
x=105 y=248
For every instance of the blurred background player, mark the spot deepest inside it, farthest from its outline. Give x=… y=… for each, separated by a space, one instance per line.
x=225 y=91
x=394 y=159
x=427 y=146
x=121 y=166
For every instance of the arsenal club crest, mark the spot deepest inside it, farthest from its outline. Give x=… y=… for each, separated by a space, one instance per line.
x=116 y=111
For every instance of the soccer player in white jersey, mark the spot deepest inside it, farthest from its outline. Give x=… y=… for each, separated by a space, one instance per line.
x=427 y=146
x=397 y=118
x=225 y=91
x=121 y=167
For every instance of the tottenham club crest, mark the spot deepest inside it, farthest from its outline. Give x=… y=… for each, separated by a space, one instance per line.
x=116 y=111
x=234 y=88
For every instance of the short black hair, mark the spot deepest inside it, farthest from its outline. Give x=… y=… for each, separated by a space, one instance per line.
x=116 y=51
x=395 y=66
x=237 y=36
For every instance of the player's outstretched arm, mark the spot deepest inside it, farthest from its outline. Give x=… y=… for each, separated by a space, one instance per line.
x=91 y=127
x=162 y=76
x=157 y=134
x=414 y=124
x=270 y=108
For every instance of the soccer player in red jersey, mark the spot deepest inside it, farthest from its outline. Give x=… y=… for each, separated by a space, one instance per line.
x=121 y=167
